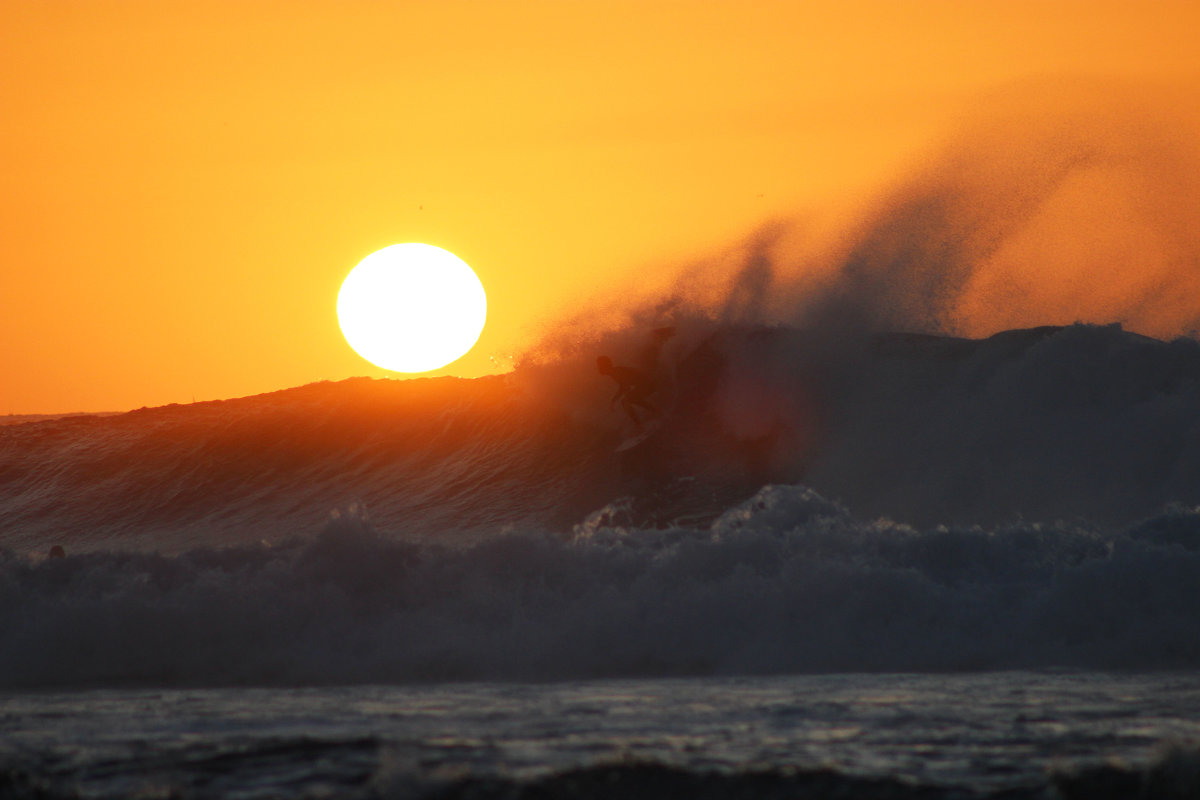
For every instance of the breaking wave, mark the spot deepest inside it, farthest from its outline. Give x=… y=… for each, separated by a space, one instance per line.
x=841 y=481
x=787 y=581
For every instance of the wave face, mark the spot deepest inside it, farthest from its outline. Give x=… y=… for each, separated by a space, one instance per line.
x=893 y=502
x=425 y=455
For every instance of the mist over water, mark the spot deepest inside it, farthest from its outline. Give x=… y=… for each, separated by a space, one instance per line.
x=1053 y=202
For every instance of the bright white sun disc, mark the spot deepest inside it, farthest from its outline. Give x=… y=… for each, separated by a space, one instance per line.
x=411 y=307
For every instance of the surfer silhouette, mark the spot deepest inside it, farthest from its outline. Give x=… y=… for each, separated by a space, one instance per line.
x=633 y=389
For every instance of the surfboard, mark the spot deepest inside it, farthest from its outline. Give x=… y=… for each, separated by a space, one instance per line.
x=649 y=430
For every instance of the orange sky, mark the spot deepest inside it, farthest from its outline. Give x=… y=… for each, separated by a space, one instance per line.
x=185 y=185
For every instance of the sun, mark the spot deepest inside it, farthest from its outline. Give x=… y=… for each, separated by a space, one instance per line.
x=411 y=307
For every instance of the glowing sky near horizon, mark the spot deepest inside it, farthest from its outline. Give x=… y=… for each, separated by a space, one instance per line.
x=186 y=184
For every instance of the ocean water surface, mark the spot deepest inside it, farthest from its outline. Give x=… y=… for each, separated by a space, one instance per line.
x=1007 y=734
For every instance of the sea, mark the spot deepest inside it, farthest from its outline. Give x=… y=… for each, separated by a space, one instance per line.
x=888 y=565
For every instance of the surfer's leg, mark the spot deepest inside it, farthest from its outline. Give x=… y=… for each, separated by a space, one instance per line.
x=646 y=404
x=627 y=403
x=640 y=397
